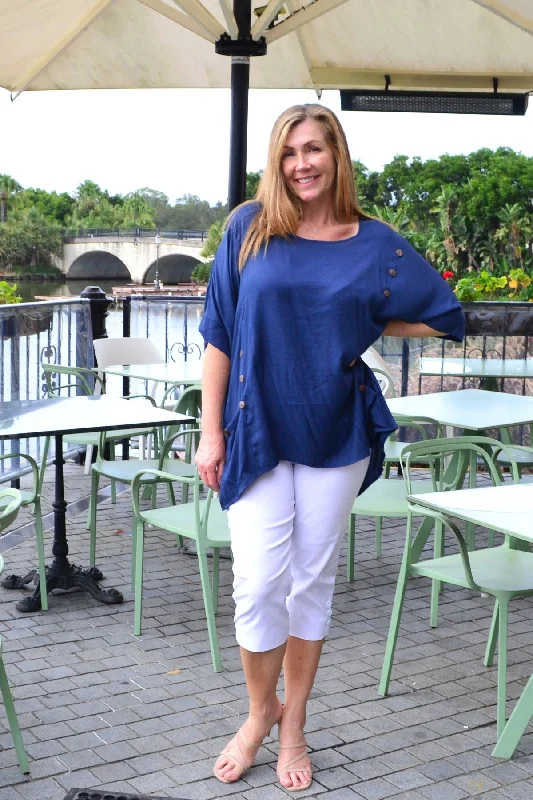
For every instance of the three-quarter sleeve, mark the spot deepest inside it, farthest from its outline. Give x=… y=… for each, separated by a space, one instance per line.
x=222 y=295
x=413 y=291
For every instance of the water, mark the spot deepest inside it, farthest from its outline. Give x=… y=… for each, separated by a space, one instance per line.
x=29 y=290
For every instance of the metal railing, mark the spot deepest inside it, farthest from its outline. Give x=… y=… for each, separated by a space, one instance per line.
x=138 y=233
x=56 y=332
x=60 y=332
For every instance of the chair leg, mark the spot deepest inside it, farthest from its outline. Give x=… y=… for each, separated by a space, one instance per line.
x=138 y=581
x=378 y=536
x=95 y=479
x=393 y=629
x=209 y=612
x=42 y=465
x=88 y=459
x=493 y=637
x=436 y=586
x=351 y=549
x=12 y=719
x=216 y=564
x=113 y=482
x=40 y=553
x=502 y=666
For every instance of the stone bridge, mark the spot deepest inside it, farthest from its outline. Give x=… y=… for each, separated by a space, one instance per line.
x=130 y=258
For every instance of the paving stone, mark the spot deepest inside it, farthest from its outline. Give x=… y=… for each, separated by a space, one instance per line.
x=112 y=707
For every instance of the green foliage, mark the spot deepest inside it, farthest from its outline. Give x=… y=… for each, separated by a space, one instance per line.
x=95 y=208
x=214 y=237
x=252 y=183
x=486 y=286
x=29 y=239
x=8 y=293
x=201 y=273
x=471 y=215
x=467 y=214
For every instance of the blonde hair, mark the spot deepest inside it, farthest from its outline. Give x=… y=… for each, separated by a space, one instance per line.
x=280 y=210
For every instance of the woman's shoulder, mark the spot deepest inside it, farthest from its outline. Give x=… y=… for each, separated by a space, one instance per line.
x=242 y=216
x=381 y=230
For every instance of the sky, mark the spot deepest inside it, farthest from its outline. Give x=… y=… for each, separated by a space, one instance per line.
x=177 y=140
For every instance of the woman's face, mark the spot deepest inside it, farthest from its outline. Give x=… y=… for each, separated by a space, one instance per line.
x=307 y=163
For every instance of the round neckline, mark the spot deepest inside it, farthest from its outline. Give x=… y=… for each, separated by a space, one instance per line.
x=332 y=241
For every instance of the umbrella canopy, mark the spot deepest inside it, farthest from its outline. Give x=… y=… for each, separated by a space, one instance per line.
x=325 y=44
x=460 y=45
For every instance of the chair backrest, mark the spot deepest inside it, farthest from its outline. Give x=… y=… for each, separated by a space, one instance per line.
x=381 y=370
x=10 y=500
x=201 y=514
x=126 y=350
x=386 y=383
x=419 y=424
x=450 y=459
x=81 y=380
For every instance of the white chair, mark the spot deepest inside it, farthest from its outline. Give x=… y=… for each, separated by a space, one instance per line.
x=381 y=370
x=126 y=350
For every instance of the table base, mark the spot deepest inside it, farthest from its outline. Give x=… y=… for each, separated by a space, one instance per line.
x=74 y=577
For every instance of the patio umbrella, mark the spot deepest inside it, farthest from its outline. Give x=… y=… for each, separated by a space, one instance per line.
x=464 y=46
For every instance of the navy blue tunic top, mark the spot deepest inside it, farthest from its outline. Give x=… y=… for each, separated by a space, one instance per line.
x=292 y=322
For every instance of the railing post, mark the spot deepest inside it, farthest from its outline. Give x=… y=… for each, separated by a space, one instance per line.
x=405 y=368
x=99 y=306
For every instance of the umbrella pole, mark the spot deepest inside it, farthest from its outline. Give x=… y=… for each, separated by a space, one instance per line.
x=240 y=82
x=240 y=50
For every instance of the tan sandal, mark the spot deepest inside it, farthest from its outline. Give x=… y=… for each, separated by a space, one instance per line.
x=238 y=758
x=290 y=767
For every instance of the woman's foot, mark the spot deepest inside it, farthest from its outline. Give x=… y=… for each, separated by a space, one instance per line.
x=239 y=755
x=294 y=768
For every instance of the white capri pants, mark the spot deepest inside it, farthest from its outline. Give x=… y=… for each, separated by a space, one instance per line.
x=286 y=532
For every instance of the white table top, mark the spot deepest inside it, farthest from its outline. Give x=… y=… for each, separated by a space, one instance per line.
x=478 y=367
x=186 y=372
x=507 y=509
x=473 y=409
x=60 y=415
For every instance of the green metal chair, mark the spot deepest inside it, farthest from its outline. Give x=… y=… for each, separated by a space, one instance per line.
x=503 y=572
x=125 y=471
x=201 y=520
x=10 y=502
x=32 y=497
x=387 y=497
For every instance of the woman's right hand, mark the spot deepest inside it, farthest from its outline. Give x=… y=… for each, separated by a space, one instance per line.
x=210 y=458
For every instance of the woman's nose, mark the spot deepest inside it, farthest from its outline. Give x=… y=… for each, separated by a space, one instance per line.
x=301 y=160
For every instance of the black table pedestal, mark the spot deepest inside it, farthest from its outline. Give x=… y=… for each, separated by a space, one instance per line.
x=61 y=574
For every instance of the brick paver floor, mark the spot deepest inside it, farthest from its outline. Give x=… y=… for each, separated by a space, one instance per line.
x=102 y=708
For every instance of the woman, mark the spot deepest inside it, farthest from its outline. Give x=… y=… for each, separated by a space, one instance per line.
x=293 y=421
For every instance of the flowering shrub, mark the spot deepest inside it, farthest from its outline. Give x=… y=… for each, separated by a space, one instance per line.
x=517 y=285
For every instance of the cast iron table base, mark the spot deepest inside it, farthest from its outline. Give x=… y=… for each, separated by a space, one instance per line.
x=61 y=574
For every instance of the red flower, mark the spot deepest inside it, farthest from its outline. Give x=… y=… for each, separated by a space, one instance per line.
x=447 y=275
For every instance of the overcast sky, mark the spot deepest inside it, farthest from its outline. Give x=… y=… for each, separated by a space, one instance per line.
x=177 y=141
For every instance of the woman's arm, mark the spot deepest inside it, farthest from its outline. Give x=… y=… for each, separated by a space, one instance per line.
x=212 y=448
x=409 y=330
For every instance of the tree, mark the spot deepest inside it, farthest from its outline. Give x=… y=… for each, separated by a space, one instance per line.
x=53 y=206
x=252 y=183
x=9 y=185
x=29 y=241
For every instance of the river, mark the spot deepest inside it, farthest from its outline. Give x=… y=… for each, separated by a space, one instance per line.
x=29 y=290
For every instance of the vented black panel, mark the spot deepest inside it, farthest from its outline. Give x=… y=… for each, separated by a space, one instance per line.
x=435 y=102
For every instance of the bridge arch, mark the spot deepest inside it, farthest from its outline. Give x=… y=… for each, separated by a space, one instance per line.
x=98 y=264
x=173 y=269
